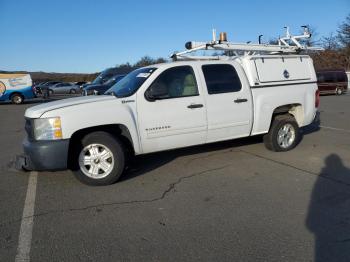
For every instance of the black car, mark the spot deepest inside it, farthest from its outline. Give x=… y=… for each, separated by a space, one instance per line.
x=80 y=84
x=99 y=89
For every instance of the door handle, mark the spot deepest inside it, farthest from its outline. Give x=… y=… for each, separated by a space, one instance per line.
x=241 y=100
x=195 y=106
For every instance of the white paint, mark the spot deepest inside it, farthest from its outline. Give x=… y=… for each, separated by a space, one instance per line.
x=168 y=123
x=25 y=234
x=337 y=129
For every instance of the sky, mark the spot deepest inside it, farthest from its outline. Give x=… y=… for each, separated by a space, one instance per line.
x=83 y=36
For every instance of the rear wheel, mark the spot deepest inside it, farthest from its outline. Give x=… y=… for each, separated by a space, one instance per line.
x=283 y=135
x=17 y=99
x=100 y=159
x=339 y=91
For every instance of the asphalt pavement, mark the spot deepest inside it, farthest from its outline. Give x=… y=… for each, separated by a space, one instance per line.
x=228 y=201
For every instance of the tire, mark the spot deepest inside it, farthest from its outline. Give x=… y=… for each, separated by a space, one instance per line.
x=283 y=135
x=72 y=91
x=17 y=99
x=339 y=91
x=106 y=155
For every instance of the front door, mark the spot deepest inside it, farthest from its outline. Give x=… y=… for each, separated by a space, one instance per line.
x=229 y=103
x=177 y=116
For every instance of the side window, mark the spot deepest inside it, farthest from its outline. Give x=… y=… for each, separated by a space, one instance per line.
x=320 y=78
x=341 y=77
x=175 y=82
x=329 y=77
x=221 y=78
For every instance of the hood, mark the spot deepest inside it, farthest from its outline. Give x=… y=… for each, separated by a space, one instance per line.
x=38 y=111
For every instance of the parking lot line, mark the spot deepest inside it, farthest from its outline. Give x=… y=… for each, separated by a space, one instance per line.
x=336 y=129
x=25 y=234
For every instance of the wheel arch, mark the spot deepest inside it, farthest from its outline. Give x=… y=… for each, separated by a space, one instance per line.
x=119 y=130
x=295 y=110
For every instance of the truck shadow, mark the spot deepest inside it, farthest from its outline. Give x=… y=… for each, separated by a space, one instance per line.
x=143 y=164
x=329 y=212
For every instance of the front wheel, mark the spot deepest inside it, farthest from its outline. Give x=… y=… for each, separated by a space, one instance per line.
x=100 y=159
x=17 y=99
x=284 y=134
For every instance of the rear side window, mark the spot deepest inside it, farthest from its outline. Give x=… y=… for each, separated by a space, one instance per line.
x=341 y=77
x=221 y=78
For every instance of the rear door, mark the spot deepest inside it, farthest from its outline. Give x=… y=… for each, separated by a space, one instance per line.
x=228 y=100
x=178 y=118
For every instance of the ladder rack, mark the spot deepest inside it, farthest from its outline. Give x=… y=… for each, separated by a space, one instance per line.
x=286 y=45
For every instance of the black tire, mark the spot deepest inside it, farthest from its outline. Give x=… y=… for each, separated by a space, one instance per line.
x=72 y=91
x=339 y=91
x=114 y=145
x=271 y=138
x=17 y=99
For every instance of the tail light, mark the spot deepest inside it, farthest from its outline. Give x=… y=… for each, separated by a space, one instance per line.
x=317 y=98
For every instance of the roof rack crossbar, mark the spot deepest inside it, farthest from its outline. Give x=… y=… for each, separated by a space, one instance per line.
x=286 y=45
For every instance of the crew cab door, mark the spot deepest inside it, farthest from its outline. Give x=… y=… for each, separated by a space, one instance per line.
x=229 y=102
x=171 y=111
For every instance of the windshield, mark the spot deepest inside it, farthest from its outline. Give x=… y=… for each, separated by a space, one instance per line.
x=113 y=80
x=102 y=78
x=131 y=82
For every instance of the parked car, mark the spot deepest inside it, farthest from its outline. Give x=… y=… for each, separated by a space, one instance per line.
x=63 y=88
x=332 y=82
x=16 y=88
x=99 y=89
x=105 y=75
x=173 y=105
x=80 y=84
x=41 y=88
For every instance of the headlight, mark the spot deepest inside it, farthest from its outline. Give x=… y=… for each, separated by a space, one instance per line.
x=47 y=128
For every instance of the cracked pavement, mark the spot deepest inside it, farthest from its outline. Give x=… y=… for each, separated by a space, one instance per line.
x=229 y=201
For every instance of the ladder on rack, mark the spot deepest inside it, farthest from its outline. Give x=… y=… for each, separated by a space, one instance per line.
x=290 y=44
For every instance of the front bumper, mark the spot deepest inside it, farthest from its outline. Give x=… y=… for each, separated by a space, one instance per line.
x=44 y=155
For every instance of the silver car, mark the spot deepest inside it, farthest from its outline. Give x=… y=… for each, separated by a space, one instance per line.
x=64 y=88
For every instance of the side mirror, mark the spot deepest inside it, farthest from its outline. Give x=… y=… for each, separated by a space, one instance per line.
x=156 y=91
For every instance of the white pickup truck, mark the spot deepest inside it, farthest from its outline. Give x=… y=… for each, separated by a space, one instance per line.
x=173 y=105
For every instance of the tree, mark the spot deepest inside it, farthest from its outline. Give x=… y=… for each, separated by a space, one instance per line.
x=344 y=39
x=344 y=33
x=144 y=61
x=330 y=42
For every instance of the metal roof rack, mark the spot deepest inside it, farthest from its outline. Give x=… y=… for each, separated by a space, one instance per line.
x=290 y=44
